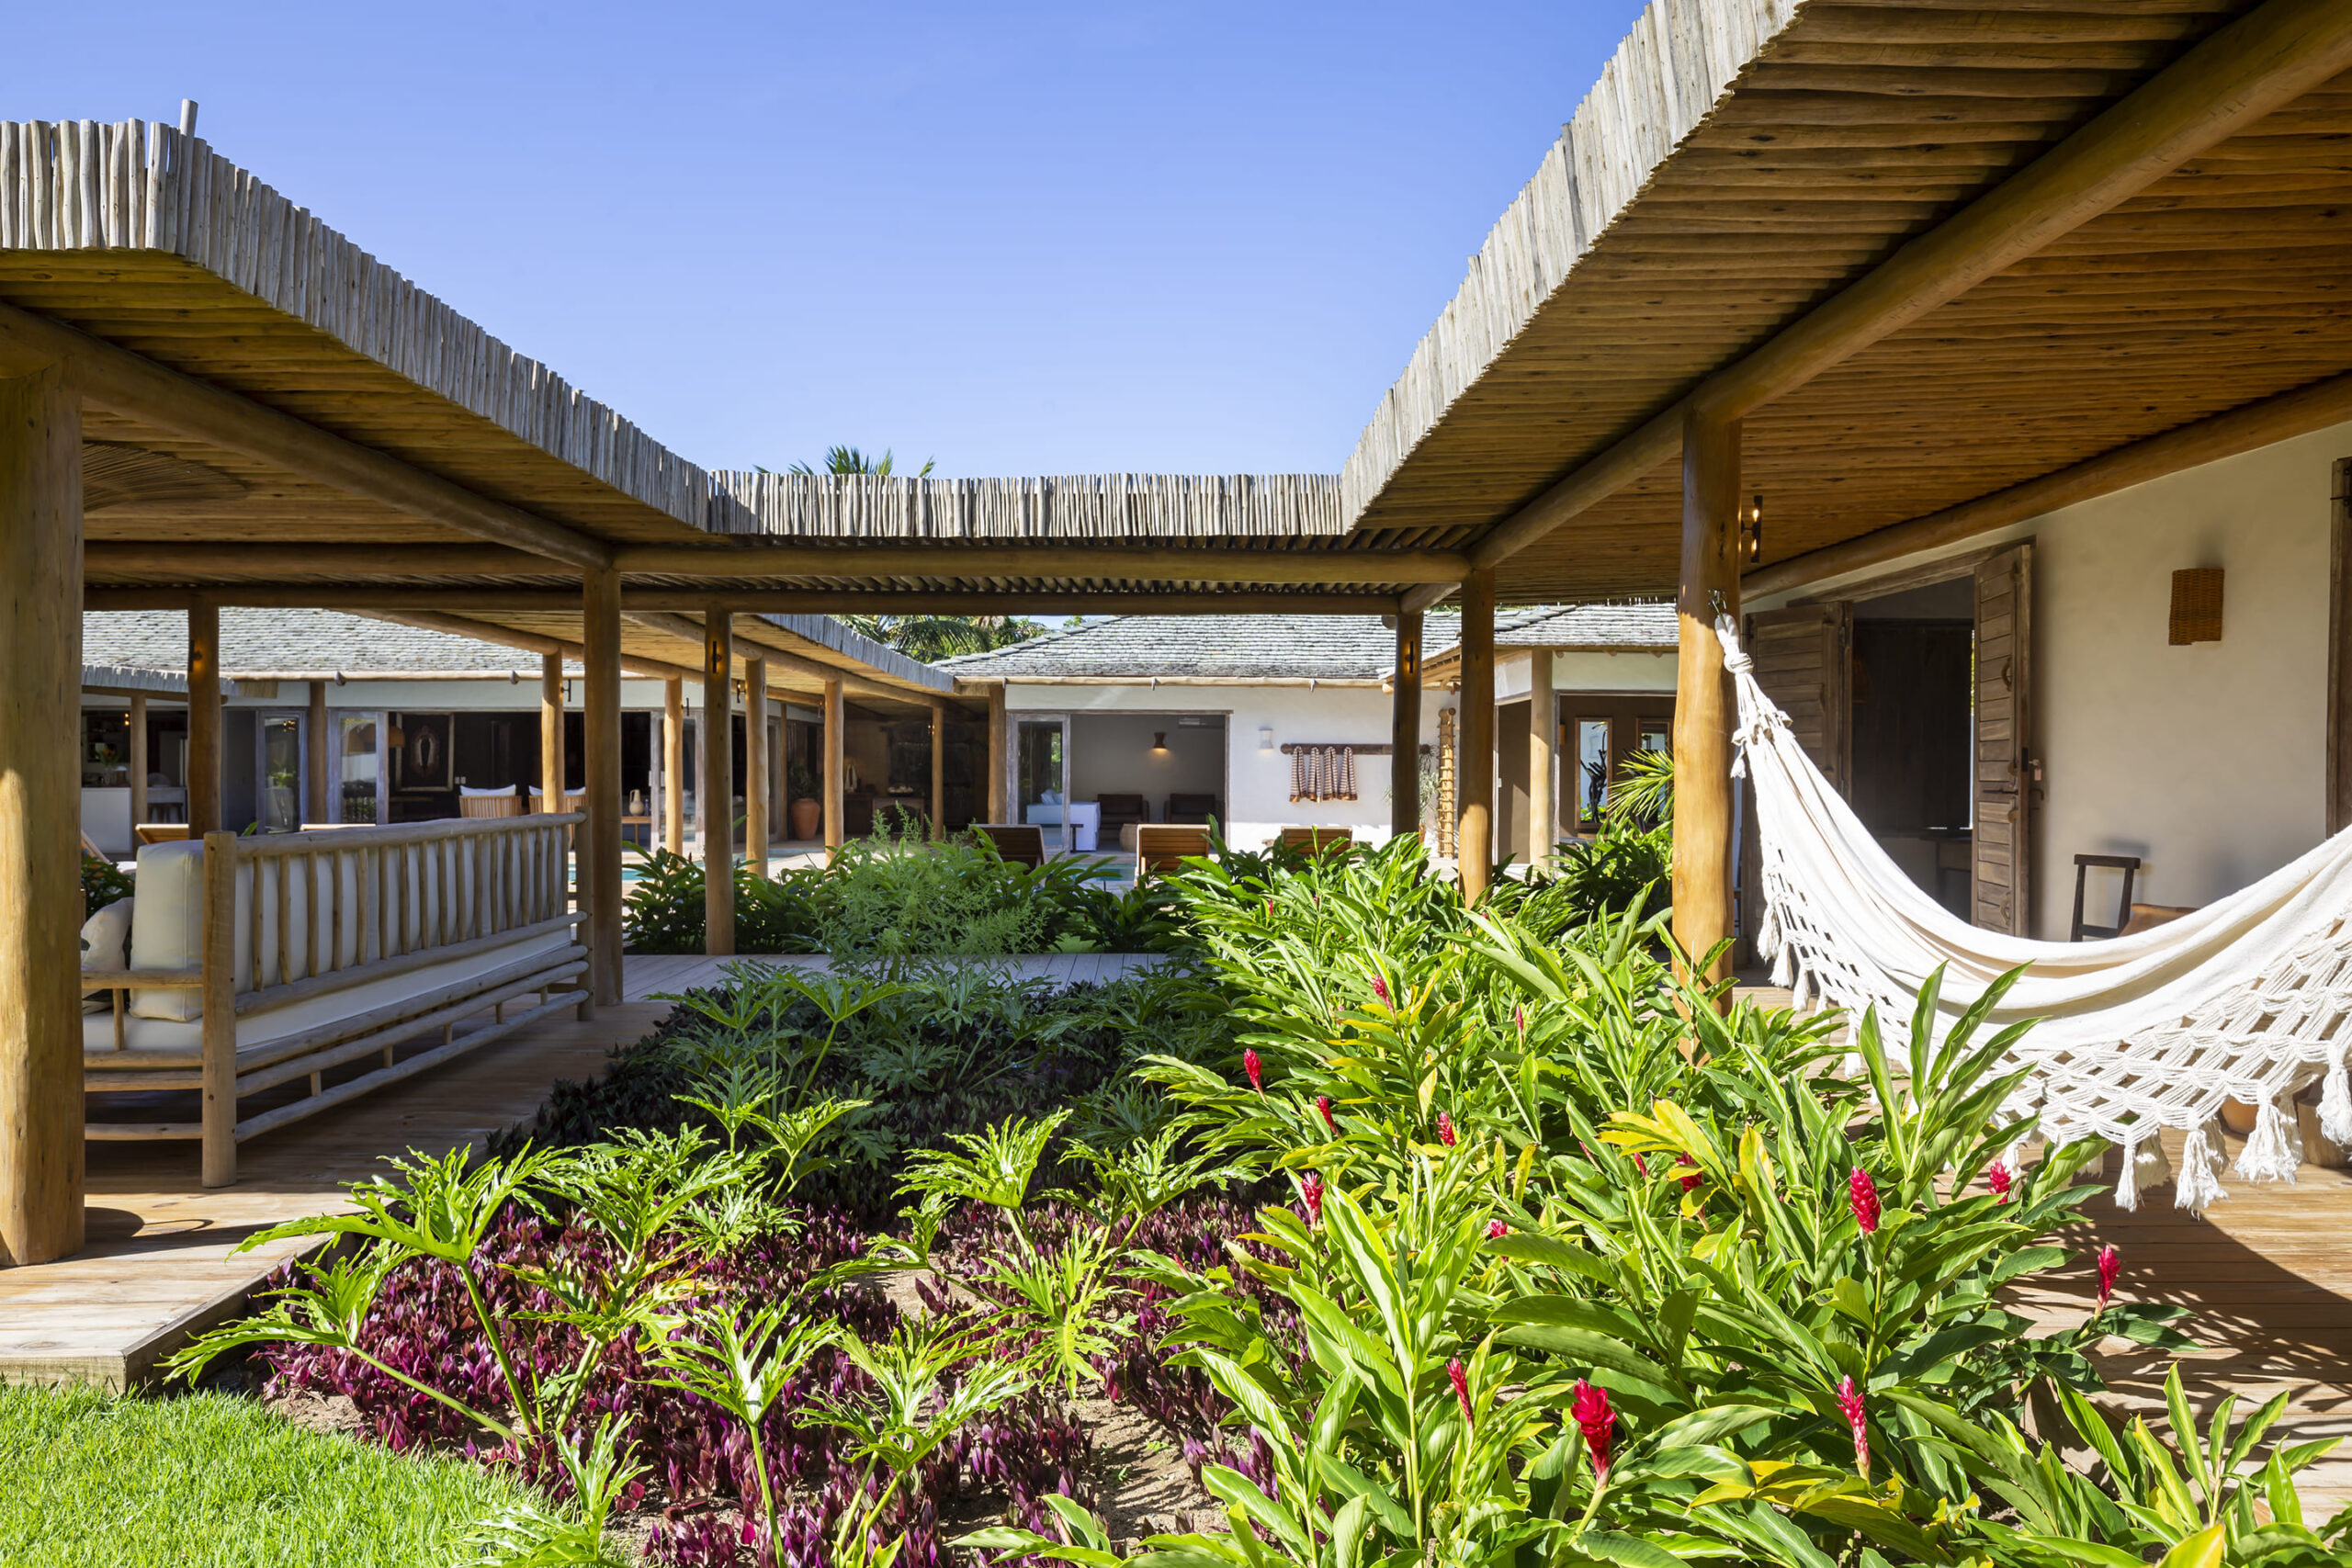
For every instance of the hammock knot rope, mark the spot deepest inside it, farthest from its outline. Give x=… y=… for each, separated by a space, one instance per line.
x=2248 y=999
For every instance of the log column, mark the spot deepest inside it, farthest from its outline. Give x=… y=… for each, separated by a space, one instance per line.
x=835 y=721
x=1543 y=728
x=319 y=757
x=673 y=765
x=1703 y=707
x=41 y=813
x=139 y=766
x=717 y=784
x=996 y=752
x=1404 y=729
x=204 y=719
x=938 y=770
x=551 y=732
x=1474 y=838
x=600 y=836
x=755 y=764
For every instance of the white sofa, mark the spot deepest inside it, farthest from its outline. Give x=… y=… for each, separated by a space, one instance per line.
x=257 y=961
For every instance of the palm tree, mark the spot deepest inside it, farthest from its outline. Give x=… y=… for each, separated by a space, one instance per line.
x=926 y=637
x=850 y=460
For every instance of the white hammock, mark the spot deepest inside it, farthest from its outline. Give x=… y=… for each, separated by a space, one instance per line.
x=2246 y=999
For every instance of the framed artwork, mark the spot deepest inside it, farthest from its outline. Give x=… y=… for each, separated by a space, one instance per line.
x=425 y=758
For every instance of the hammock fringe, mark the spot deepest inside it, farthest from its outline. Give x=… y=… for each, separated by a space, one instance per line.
x=2199 y=1185
x=2335 y=1102
x=2276 y=1147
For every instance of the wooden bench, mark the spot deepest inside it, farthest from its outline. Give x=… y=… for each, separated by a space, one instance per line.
x=263 y=961
x=1318 y=840
x=1017 y=843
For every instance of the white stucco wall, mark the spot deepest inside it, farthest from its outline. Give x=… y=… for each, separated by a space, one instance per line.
x=2207 y=761
x=1586 y=672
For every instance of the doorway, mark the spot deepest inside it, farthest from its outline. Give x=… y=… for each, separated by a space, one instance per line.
x=1913 y=732
x=1040 y=763
x=279 y=744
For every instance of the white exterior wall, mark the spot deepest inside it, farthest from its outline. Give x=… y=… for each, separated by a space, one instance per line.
x=1585 y=672
x=2207 y=761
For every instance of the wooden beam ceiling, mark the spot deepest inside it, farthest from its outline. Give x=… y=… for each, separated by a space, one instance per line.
x=494 y=600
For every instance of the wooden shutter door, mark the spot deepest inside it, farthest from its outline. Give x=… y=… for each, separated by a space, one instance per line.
x=1803 y=663
x=2004 y=802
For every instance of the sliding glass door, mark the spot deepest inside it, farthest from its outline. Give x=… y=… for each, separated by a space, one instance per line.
x=1040 y=763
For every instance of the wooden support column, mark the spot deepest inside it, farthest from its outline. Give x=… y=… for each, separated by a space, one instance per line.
x=835 y=721
x=755 y=764
x=1474 y=837
x=319 y=757
x=204 y=718
x=938 y=770
x=1704 y=709
x=673 y=765
x=1404 y=729
x=717 y=795
x=1542 y=730
x=996 y=752
x=600 y=837
x=139 y=762
x=41 y=815
x=551 y=731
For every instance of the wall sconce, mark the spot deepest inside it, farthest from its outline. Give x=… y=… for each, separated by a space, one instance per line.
x=2195 y=606
x=1159 y=740
x=1265 y=738
x=1751 y=529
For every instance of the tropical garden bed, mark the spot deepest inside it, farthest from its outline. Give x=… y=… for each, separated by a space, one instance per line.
x=1374 y=1231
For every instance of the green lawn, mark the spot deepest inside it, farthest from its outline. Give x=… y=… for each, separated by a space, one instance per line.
x=207 y=1480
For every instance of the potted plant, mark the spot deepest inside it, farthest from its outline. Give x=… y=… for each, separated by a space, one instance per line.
x=806 y=812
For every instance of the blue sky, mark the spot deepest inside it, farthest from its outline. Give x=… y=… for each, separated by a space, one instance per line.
x=1020 y=239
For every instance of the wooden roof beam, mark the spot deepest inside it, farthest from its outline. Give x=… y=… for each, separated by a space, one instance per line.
x=463 y=600
x=530 y=642
x=2299 y=413
x=2259 y=63
x=691 y=631
x=299 y=562
x=1154 y=563
x=137 y=389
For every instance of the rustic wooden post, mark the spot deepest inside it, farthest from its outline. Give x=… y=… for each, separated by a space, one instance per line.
x=1404 y=729
x=204 y=717
x=1704 y=709
x=600 y=837
x=318 y=757
x=938 y=770
x=1543 y=727
x=996 y=752
x=1475 y=839
x=835 y=721
x=40 y=813
x=139 y=765
x=551 y=731
x=219 y=1033
x=755 y=764
x=717 y=784
x=673 y=765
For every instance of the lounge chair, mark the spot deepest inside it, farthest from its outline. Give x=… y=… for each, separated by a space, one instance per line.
x=1197 y=808
x=1120 y=812
x=478 y=803
x=1017 y=842
x=1161 y=847
x=263 y=961
x=1318 y=840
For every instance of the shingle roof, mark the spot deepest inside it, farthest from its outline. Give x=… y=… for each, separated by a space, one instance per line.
x=259 y=641
x=1329 y=648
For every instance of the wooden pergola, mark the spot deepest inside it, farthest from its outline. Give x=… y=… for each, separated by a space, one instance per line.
x=1907 y=268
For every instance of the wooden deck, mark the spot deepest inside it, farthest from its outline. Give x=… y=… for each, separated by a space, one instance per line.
x=2270 y=1275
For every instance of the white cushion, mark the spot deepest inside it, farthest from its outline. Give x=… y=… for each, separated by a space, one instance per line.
x=480 y=794
x=148 y=1031
x=105 y=936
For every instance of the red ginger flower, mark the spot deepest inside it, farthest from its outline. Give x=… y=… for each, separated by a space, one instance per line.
x=1380 y=989
x=1312 y=1190
x=1689 y=1182
x=1323 y=1104
x=2110 y=1264
x=1445 y=1129
x=1461 y=1388
x=1519 y=1017
x=1496 y=1230
x=1257 y=1074
x=1594 y=1418
x=1862 y=1192
x=1997 y=1176
x=1849 y=1400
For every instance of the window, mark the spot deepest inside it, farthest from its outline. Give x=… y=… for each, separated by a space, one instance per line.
x=1592 y=771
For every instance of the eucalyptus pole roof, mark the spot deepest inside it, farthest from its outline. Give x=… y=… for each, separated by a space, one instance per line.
x=1748 y=174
